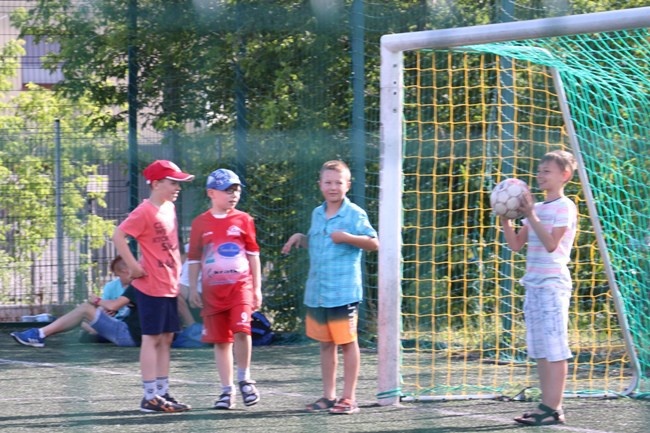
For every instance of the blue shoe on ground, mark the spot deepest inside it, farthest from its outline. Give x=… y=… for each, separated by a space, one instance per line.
x=30 y=337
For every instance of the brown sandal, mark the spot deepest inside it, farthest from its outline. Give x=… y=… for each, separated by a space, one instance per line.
x=320 y=405
x=345 y=406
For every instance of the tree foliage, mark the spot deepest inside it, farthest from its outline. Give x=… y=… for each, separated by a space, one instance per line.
x=267 y=85
x=28 y=187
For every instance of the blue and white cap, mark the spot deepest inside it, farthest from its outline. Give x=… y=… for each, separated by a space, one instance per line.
x=222 y=179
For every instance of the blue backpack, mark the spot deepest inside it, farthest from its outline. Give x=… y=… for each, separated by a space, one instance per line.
x=261 y=331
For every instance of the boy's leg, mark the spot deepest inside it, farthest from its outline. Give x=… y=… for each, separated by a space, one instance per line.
x=328 y=366
x=546 y=311
x=184 y=312
x=342 y=322
x=239 y=322
x=216 y=331
x=552 y=379
x=552 y=365
x=86 y=327
x=154 y=356
x=148 y=367
x=223 y=357
x=149 y=357
x=111 y=329
x=70 y=320
x=240 y=325
x=318 y=326
x=351 y=366
x=154 y=359
x=225 y=349
x=243 y=347
x=164 y=354
x=36 y=336
x=158 y=320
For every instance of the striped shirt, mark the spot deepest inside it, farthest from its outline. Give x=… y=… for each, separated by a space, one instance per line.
x=544 y=268
x=335 y=269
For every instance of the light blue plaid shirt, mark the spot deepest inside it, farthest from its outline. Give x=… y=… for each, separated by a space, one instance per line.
x=335 y=269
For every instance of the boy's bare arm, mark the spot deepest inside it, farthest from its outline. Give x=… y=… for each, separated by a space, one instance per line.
x=297 y=240
x=193 y=269
x=515 y=240
x=551 y=239
x=360 y=241
x=122 y=247
x=256 y=273
x=109 y=304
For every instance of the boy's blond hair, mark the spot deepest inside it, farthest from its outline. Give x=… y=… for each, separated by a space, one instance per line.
x=565 y=160
x=336 y=165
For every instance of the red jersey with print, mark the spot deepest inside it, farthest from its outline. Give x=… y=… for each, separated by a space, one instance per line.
x=156 y=231
x=223 y=244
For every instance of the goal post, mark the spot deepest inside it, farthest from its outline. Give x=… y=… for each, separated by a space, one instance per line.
x=443 y=273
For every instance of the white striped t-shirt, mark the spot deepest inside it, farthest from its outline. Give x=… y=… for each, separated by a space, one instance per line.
x=544 y=268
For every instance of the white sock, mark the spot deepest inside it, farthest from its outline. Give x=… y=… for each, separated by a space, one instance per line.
x=149 y=389
x=162 y=385
x=243 y=374
x=41 y=333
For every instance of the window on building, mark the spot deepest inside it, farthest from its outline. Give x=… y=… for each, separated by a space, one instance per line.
x=32 y=64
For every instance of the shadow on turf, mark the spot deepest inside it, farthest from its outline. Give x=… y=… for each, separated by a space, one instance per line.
x=126 y=419
x=136 y=418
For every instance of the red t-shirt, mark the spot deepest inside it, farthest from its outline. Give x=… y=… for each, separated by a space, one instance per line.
x=156 y=231
x=222 y=245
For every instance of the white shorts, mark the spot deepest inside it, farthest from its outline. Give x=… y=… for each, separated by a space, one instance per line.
x=546 y=311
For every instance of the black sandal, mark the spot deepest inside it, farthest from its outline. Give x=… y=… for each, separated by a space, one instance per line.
x=249 y=392
x=321 y=404
x=224 y=401
x=547 y=416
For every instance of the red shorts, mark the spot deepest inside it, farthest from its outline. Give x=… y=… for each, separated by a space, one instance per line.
x=337 y=325
x=220 y=327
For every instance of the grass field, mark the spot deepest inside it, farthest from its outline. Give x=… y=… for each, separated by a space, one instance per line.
x=77 y=387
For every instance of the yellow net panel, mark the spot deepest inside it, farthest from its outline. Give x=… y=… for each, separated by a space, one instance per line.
x=472 y=119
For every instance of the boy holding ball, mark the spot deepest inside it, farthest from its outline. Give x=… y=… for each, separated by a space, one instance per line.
x=549 y=228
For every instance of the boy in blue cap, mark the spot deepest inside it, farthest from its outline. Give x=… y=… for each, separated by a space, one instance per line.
x=223 y=247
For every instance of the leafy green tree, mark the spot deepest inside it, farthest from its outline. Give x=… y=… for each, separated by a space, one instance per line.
x=277 y=73
x=27 y=168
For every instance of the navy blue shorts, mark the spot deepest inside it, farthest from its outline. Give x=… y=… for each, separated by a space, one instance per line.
x=158 y=315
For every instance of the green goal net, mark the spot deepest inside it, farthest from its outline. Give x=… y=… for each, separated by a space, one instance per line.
x=459 y=119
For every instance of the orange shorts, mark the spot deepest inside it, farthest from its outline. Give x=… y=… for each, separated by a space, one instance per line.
x=337 y=324
x=220 y=327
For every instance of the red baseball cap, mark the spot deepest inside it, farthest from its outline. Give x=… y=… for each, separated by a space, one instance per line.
x=163 y=169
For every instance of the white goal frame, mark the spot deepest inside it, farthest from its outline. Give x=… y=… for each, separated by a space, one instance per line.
x=391 y=177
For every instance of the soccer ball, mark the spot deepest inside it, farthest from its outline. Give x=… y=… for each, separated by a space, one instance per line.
x=506 y=197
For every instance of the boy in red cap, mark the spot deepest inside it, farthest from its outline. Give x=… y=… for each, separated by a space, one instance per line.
x=155 y=277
